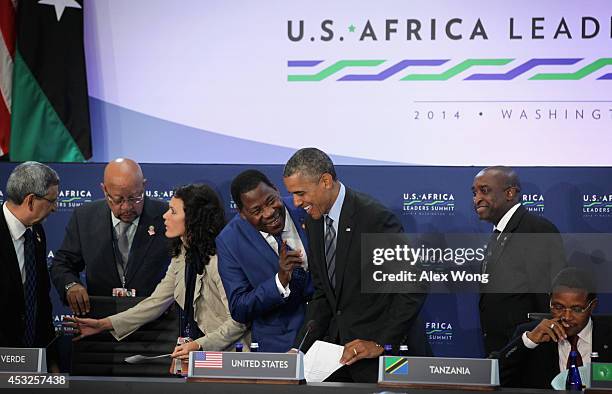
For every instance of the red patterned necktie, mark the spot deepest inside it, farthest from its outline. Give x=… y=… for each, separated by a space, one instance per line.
x=573 y=340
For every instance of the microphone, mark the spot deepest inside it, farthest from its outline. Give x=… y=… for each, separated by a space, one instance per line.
x=52 y=341
x=311 y=325
x=507 y=350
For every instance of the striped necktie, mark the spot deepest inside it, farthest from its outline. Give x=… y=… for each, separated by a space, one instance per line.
x=330 y=250
x=573 y=340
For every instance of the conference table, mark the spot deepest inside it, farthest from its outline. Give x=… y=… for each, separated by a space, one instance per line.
x=117 y=385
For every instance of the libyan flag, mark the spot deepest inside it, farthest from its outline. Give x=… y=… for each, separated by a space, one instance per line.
x=50 y=108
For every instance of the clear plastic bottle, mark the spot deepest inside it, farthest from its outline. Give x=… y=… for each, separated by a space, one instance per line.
x=388 y=350
x=254 y=347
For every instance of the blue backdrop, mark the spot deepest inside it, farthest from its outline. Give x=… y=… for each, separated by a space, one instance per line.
x=426 y=199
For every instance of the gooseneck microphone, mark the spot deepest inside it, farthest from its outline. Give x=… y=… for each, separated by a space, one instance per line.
x=311 y=325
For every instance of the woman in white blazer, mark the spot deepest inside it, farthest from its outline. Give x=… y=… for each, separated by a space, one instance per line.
x=195 y=217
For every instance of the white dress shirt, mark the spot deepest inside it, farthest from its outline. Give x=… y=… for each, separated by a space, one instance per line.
x=585 y=346
x=17 y=230
x=503 y=222
x=292 y=237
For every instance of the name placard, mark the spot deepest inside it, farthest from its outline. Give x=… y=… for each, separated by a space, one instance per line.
x=601 y=376
x=467 y=373
x=246 y=367
x=23 y=360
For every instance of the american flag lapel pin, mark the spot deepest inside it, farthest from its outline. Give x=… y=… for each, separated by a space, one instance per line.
x=151 y=230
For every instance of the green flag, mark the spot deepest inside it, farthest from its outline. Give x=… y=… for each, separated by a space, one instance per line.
x=50 y=108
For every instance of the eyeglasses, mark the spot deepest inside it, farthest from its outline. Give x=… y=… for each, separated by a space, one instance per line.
x=52 y=202
x=558 y=308
x=121 y=200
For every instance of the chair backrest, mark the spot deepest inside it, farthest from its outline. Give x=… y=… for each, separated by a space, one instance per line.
x=103 y=355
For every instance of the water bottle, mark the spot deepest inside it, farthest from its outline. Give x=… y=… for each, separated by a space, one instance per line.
x=388 y=350
x=573 y=381
x=254 y=347
x=403 y=351
x=239 y=347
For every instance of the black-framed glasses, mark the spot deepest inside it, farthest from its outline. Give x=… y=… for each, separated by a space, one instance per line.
x=558 y=308
x=133 y=200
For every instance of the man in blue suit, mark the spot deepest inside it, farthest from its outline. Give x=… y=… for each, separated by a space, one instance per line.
x=263 y=263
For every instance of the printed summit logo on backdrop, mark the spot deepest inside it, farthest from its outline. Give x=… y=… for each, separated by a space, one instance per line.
x=439 y=332
x=412 y=30
x=428 y=204
x=68 y=199
x=597 y=205
x=160 y=194
x=392 y=67
x=533 y=202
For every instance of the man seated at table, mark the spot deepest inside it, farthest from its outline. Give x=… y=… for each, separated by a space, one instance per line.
x=540 y=350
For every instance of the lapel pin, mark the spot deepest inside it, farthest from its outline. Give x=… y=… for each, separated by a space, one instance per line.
x=348 y=229
x=151 y=230
x=303 y=226
x=605 y=346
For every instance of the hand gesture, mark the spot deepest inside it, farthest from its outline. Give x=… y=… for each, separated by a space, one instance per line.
x=287 y=261
x=548 y=330
x=86 y=327
x=78 y=299
x=182 y=351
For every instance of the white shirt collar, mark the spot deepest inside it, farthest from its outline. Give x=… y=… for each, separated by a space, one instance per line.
x=503 y=222
x=586 y=334
x=16 y=228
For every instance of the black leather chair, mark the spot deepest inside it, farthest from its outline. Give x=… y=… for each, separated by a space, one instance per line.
x=103 y=355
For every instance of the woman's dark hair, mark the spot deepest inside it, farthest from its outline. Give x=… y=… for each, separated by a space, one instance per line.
x=204 y=220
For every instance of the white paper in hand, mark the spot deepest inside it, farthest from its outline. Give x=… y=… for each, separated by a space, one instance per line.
x=321 y=360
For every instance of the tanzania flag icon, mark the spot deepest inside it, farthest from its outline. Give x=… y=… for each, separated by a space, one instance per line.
x=602 y=372
x=396 y=365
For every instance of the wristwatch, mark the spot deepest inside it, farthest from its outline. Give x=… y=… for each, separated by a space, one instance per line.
x=69 y=285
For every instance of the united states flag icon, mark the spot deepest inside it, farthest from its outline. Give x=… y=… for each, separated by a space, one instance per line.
x=208 y=360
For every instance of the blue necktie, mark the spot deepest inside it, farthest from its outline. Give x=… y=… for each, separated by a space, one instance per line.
x=30 y=288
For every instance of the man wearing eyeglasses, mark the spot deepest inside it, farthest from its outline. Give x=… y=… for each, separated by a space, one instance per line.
x=540 y=350
x=32 y=190
x=524 y=254
x=119 y=241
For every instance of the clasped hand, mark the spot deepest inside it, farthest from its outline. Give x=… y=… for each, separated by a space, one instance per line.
x=549 y=330
x=288 y=260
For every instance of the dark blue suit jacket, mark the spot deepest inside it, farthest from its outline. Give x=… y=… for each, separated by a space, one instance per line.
x=248 y=266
